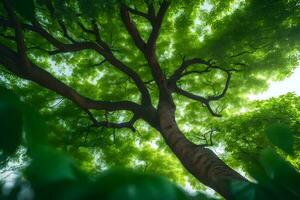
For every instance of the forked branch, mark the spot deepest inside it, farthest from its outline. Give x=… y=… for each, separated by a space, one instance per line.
x=131 y=28
x=181 y=71
x=19 y=64
x=184 y=65
x=156 y=25
x=155 y=21
x=148 y=49
x=101 y=48
x=129 y=124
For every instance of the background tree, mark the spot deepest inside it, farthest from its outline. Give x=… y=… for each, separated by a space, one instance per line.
x=243 y=135
x=195 y=56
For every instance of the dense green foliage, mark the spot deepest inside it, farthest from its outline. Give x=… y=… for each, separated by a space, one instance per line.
x=242 y=137
x=259 y=39
x=54 y=175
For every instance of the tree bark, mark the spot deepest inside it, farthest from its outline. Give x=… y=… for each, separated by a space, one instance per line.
x=201 y=162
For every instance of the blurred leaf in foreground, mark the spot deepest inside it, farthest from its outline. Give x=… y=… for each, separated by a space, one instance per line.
x=281 y=136
x=49 y=165
x=10 y=122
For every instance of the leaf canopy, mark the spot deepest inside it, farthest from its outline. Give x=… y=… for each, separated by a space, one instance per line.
x=259 y=39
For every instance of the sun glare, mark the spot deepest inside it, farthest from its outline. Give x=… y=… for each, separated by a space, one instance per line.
x=277 y=88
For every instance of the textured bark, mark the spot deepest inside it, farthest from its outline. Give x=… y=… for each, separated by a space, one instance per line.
x=202 y=162
x=199 y=161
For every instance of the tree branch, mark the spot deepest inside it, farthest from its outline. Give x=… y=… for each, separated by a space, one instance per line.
x=98 y=64
x=65 y=31
x=60 y=21
x=149 y=49
x=129 y=124
x=131 y=27
x=212 y=112
x=79 y=46
x=156 y=25
x=199 y=98
x=207 y=69
x=156 y=22
x=184 y=65
x=204 y=100
x=217 y=97
x=108 y=124
x=11 y=61
x=139 y=13
x=98 y=37
x=151 y=11
x=19 y=37
x=190 y=95
x=84 y=28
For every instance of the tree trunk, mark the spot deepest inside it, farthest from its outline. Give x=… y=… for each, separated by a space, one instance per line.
x=202 y=162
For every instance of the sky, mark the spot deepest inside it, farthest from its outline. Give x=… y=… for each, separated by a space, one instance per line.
x=277 y=88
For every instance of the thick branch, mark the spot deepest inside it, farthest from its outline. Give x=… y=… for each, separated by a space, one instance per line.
x=79 y=46
x=156 y=25
x=149 y=49
x=11 y=61
x=104 y=51
x=131 y=28
x=18 y=33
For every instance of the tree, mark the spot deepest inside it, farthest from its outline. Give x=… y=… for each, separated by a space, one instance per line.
x=278 y=116
x=156 y=46
x=52 y=174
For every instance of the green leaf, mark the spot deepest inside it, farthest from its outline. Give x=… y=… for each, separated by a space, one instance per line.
x=242 y=190
x=281 y=173
x=49 y=166
x=250 y=191
x=25 y=8
x=10 y=122
x=35 y=128
x=127 y=185
x=281 y=136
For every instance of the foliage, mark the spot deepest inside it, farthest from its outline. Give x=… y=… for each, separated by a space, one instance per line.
x=276 y=179
x=10 y=122
x=242 y=133
x=257 y=38
x=54 y=175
